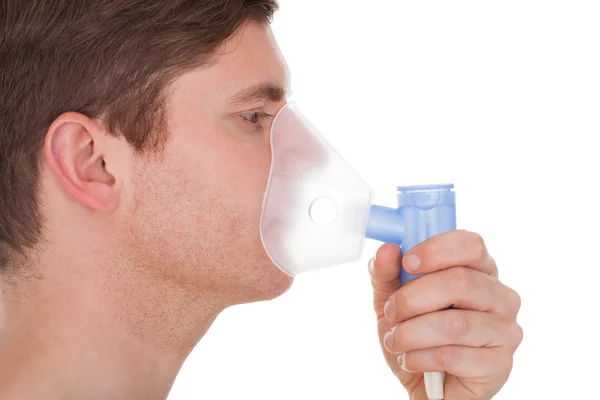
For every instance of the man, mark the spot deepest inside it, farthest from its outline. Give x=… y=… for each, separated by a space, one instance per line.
x=134 y=153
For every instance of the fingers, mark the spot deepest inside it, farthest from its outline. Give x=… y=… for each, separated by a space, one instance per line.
x=463 y=361
x=455 y=248
x=460 y=287
x=385 y=272
x=452 y=327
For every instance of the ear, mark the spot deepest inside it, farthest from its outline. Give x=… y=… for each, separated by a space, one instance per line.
x=75 y=150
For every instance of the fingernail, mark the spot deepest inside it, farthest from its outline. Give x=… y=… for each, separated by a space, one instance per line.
x=371 y=265
x=388 y=340
x=402 y=362
x=390 y=310
x=411 y=263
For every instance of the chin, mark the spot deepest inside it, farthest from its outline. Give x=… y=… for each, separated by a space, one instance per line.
x=277 y=284
x=265 y=282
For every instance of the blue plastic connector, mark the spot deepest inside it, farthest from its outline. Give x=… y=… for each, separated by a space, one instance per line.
x=423 y=211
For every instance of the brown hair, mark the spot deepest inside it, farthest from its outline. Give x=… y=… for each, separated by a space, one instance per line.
x=110 y=60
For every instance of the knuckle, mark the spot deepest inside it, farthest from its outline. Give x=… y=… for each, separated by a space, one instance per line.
x=477 y=244
x=493 y=267
x=446 y=357
x=465 y=280
x=457 y=324
x=517 y=334
x=378 y=286
x=504 y=366
x=514 y=301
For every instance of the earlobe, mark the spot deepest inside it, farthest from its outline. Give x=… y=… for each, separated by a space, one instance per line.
x=75 y=150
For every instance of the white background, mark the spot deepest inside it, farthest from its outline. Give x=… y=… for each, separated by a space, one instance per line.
x=501 y=98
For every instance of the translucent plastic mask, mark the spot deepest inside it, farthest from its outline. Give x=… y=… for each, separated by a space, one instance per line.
x=316 y=206
x=317 y=210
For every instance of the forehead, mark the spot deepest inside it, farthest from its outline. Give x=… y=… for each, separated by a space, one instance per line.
x=251 y=56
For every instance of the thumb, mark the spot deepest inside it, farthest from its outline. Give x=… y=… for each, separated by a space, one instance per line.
x=385 y=275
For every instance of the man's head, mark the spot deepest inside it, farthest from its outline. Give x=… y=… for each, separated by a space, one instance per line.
x=135 y=133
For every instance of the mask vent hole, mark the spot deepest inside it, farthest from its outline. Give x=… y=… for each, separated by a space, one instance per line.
x=323 y=211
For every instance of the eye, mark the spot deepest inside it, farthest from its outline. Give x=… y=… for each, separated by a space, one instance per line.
x=255 y=117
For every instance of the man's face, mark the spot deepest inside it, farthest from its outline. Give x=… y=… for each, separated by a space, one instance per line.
x=194 y=215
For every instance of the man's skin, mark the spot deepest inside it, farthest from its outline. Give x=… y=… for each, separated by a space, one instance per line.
x=142 y=252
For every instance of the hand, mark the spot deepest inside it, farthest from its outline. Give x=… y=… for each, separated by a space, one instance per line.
x=473 y=343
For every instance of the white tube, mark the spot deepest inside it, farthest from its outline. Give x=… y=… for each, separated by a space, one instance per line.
x=434 y=385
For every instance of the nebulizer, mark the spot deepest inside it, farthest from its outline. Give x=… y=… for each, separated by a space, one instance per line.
x=318 y=212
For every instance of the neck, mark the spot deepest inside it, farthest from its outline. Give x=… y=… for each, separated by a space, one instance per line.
x=98 y=336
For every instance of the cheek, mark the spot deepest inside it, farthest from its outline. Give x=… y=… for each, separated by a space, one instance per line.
x=239 y=185
x=199 y=203
x=251 y=174
x=163 y=216
x=239 y=170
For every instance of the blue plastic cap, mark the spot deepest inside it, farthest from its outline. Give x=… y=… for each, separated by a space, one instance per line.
x=419 y=188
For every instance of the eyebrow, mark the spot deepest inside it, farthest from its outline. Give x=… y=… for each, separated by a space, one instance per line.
x=262 y=91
